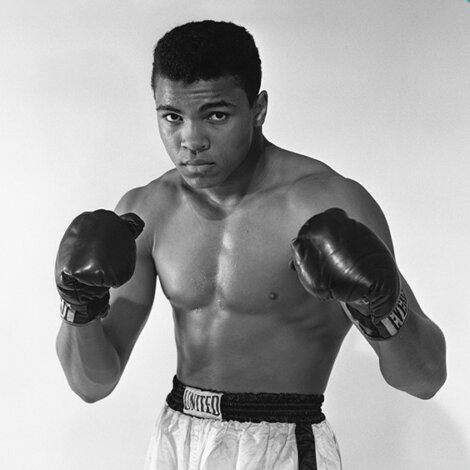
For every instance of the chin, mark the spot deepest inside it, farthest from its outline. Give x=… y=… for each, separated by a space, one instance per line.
x=201 y=182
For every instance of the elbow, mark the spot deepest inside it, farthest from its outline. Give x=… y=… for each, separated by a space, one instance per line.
x=436 y=375
x=423 y=386
x=92 y=398
x=425 y=395
x=92 y=391
x=89 y=399
x=430 y=384
x=433 y=386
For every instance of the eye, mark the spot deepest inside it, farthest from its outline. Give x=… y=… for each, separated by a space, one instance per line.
x=172 y=117
x=218 y=116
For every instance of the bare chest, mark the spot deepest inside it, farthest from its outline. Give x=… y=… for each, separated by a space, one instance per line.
x=239 y=262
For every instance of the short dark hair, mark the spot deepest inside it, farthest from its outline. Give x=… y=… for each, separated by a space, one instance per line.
x=206 y=50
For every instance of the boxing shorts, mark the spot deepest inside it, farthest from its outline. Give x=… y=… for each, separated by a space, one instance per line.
x=212 y=430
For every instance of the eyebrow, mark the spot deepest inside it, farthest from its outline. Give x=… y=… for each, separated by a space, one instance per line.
x=204 y=107
x=217 y=104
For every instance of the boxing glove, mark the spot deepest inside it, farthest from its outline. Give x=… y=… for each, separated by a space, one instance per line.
x=97 y=252
x=338 y=258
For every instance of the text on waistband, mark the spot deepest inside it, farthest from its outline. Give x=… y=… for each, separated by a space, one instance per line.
x=201 y=403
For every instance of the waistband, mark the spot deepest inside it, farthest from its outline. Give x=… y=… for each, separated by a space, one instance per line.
x=253 y=407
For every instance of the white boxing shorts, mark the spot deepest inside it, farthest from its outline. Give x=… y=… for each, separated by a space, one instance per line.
x=210 y=430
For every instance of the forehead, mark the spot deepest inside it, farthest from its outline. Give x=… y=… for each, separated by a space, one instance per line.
x=179 y=93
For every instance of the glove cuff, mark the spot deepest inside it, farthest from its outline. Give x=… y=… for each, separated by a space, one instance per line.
x=80 y=317
x=379 y=329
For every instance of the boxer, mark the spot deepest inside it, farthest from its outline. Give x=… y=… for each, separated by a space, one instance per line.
x=267 y=258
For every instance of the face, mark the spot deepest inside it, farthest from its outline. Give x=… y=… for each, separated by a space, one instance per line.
x=207 y=128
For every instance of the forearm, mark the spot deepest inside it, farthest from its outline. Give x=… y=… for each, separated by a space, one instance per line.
x=415 y=359
x=89 y=360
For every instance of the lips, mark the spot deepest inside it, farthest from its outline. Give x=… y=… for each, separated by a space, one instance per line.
x=197 y=168
x=197 y=162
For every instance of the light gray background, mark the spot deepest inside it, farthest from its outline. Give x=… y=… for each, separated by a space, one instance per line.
x=377 y=89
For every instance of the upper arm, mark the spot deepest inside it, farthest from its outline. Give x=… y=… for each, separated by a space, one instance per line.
x=131 y=303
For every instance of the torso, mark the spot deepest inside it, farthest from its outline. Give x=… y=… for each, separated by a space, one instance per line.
x=243 y=321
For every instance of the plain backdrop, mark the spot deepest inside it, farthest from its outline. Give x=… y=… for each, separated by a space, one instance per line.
x=379 y=90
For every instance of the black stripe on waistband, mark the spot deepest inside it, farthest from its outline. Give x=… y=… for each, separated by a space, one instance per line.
x=257 y=407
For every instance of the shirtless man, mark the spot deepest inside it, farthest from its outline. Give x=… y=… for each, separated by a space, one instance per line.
x=262 y=300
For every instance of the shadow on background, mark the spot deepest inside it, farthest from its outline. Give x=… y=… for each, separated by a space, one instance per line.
x=381 y=428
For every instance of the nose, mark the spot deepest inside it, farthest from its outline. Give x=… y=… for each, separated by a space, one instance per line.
x=193 y=138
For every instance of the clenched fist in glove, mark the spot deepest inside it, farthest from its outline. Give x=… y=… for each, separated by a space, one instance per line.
x=97 y=252
x=338 y=258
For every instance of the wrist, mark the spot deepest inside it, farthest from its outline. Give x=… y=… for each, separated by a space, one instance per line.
x=72 y=315
x=380 y=328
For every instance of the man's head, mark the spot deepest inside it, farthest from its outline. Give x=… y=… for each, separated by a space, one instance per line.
x=208 y=50
x=206 y=80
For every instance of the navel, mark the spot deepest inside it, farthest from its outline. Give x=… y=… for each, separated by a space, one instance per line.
x=273 y=295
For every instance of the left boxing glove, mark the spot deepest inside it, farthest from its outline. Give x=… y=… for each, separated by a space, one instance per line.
x=97 y=252
x=338 y=258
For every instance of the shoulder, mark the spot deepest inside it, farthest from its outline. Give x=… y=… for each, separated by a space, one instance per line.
x=154 y=197
x=294 y=166
x=316 y=191
x=153 y=203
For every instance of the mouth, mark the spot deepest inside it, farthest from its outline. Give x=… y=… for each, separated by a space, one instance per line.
x=197 y=168
x=197 y=163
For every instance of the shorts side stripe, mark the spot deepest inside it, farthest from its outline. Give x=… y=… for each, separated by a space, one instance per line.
x=305 y=446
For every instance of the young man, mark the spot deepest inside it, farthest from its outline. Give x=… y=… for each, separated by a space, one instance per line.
x=266 y=256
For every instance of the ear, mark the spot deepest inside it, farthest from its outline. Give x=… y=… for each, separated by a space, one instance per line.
x=260 y=107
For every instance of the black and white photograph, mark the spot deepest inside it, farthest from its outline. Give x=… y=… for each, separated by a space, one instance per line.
x=236 y=235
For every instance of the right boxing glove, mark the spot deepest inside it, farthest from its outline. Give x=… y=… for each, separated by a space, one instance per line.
x=97 y=252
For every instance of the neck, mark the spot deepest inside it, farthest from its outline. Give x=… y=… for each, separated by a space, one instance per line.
x=246 y=179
